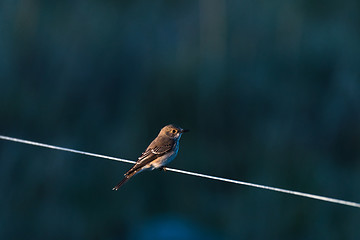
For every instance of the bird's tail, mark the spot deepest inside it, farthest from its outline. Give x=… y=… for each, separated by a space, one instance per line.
x=124 y=180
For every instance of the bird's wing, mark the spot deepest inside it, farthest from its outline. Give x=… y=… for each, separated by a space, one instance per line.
x=151 y=153
x=156 y=150
x=160 y=146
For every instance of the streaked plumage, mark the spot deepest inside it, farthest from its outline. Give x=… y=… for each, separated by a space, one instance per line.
x=162 y=150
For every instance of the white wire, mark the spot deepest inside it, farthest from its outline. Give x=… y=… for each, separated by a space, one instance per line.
x=307 y=195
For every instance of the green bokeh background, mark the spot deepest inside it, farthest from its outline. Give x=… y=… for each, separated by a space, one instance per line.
x=269 y=89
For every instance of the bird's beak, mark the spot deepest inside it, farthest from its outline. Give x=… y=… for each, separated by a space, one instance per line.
x=184 y=130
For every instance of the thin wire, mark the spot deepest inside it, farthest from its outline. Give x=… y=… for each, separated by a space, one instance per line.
x=307 y=195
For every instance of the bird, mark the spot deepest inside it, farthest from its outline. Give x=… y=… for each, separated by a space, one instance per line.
x=161 y=151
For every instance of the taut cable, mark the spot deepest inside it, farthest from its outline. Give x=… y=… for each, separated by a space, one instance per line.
x=307 y=195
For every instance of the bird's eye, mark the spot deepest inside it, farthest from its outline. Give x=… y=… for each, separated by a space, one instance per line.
x=174 y=131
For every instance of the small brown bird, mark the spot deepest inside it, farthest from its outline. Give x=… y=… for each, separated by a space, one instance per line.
x=161 y=151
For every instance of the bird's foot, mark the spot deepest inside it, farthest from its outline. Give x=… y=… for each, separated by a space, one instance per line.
x=162 y=169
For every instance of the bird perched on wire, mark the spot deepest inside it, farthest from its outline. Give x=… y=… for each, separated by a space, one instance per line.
x=162 y=150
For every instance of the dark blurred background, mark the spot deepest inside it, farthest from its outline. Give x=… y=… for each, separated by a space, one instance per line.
x=269 y=89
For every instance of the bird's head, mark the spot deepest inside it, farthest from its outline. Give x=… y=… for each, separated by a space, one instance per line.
x=172 y=131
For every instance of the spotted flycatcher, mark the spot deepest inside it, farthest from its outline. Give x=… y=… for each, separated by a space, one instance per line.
x=162 y=150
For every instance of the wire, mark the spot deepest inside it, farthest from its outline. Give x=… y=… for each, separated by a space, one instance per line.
x=307 y=195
